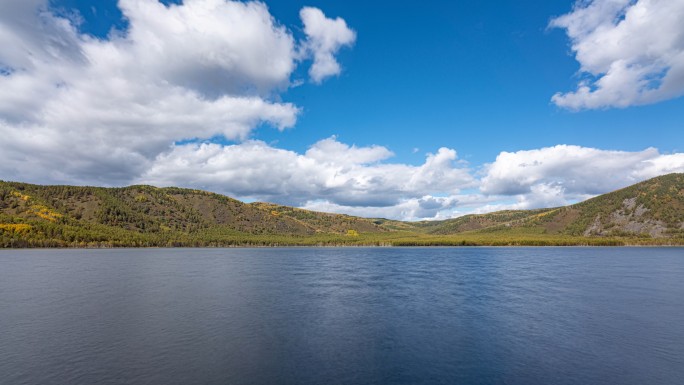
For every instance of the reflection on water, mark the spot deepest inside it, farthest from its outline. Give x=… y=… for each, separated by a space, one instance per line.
x=349 y=315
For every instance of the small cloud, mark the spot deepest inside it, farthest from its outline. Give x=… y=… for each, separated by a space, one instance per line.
x=296 y=83
x=332 y=151
x=325 y=37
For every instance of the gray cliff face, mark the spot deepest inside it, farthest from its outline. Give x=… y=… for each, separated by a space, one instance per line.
x=629 y=219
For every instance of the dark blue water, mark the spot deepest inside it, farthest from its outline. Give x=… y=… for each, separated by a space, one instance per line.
x=347 y=316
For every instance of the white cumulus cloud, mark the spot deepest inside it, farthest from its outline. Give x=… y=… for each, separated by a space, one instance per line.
x=563 y=174
x=630 y=52
x=79 y=109
x=324 y=38
x=332 y=151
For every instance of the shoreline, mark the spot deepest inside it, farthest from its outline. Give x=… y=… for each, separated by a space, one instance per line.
x=344 y=246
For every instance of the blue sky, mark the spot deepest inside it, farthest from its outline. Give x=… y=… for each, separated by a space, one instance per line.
x=475 y=75
x=474 y=78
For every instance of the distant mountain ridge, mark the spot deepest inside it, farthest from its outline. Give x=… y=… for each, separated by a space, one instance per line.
x=73 y=216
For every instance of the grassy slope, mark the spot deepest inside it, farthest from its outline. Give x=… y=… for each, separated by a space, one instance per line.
x=651 y=212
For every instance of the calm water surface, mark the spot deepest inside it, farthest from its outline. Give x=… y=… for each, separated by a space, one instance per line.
x=347 y=316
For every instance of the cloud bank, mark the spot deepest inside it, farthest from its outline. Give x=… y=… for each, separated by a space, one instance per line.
x=335 y=177
x=630 y=52
x=329 y=171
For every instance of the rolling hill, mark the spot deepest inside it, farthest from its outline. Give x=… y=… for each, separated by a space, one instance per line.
x=650 y=212
x=650 y=209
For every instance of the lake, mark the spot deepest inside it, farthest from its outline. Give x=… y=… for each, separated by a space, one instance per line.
x=342 y=316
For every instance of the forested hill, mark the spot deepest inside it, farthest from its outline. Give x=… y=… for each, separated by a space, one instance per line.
x=150 y=216
x=650 y=212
